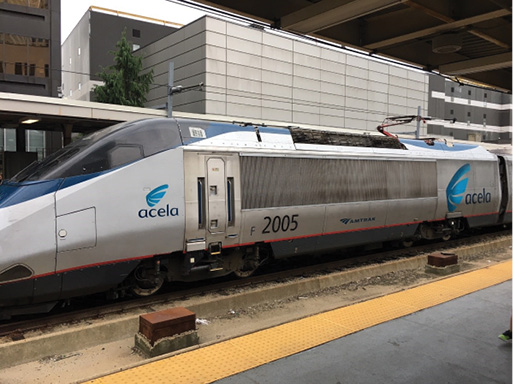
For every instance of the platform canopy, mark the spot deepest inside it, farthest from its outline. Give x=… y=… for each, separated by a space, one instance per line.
x=464 y=39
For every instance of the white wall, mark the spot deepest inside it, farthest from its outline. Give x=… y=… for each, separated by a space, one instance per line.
x=258 y=75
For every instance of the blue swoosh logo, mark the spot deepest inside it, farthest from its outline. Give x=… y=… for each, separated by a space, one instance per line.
x=457 y=187
x=154 y=197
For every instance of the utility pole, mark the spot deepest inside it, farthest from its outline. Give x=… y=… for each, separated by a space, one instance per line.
x=171 y=89
x=417 y=132
x=170 y=81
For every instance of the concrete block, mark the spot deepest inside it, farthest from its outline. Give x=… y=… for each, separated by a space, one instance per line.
x=378 y=96
x=359 y=73
x=244 y=33
x=306 y=60
x=215 y=25
x=357 y=82
x=243 y=59
x=274 y=76
x=442 y=271
x=169 y=322
x=398 y=72
x=332 y=66
x=331 y=55
x=277 y=41
x=275 y=53
x=375 y=66
x=442 y=259
x=215 y=40
x=307 y=50
x=242 y=45
x=307 y=72
x=378 y=77
x=305 y=84
x=273 y=91
x=332 y=89
x=442 y=263
x=167 y=344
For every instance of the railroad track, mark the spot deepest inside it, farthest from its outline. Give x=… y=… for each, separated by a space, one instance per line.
x=15 y=329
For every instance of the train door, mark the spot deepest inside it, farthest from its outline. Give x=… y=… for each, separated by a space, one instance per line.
x=505 y=191
x=212 y=197
x=217 y=207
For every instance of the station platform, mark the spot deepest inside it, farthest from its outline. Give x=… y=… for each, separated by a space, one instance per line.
x=444 y=331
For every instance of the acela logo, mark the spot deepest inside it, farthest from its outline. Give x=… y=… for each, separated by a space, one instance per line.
x=457 y=187
x=456 y=191
x=152 y=199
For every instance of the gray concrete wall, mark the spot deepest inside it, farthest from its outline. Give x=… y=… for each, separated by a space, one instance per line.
x=89 y=48
x=258 y=75
x=76 y=62
x=481 y=114
x=186 y=48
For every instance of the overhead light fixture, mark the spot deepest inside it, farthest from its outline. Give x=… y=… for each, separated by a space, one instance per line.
x=447 y=43
x=29 y=120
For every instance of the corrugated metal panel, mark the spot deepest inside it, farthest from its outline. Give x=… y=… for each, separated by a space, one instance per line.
x=281 y=182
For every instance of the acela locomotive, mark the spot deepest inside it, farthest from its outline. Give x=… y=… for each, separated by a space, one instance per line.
x=140 y=203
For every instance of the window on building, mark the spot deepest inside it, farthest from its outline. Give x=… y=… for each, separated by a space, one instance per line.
x=136 y=33
x=42 y=4
x=8 y=139
x=39 y=55
x=35 y=141
x=135 y=47
x=78 y=51
x=24 y=55
x=18 y=68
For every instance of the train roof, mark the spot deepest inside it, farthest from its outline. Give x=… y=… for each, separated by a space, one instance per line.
x=127 y=142
x=247 y=137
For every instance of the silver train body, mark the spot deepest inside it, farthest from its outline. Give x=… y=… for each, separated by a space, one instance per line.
x=141 y=203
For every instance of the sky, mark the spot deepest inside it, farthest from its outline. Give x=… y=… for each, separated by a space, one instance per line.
x=73 y=10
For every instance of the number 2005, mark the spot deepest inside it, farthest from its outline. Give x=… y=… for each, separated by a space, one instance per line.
x=280 y=223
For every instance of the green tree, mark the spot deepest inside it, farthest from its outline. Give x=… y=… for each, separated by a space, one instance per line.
x=122 y=82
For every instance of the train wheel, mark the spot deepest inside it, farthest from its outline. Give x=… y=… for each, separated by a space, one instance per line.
x=248 y=261
x=446 y=237
x=145 y=282
x=407 y=243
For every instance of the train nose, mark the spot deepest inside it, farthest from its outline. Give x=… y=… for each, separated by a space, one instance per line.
x=27 y=245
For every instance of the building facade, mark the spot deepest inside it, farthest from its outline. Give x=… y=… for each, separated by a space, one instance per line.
x=90 y=46
x=469 y=113
x=262 y=75
x=30 y=54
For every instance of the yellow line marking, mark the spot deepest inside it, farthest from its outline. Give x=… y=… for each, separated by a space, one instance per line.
x=215 y=362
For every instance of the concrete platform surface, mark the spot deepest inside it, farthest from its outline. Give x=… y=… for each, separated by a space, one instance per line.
x=444 y=331
x=454 y=342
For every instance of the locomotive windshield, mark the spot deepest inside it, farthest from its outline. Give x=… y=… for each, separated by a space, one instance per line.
x=106 y=149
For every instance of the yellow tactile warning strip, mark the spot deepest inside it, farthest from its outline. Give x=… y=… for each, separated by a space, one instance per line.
x=208 y=364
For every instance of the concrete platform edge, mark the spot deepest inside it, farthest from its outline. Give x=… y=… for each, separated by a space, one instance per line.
x=74 y=339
